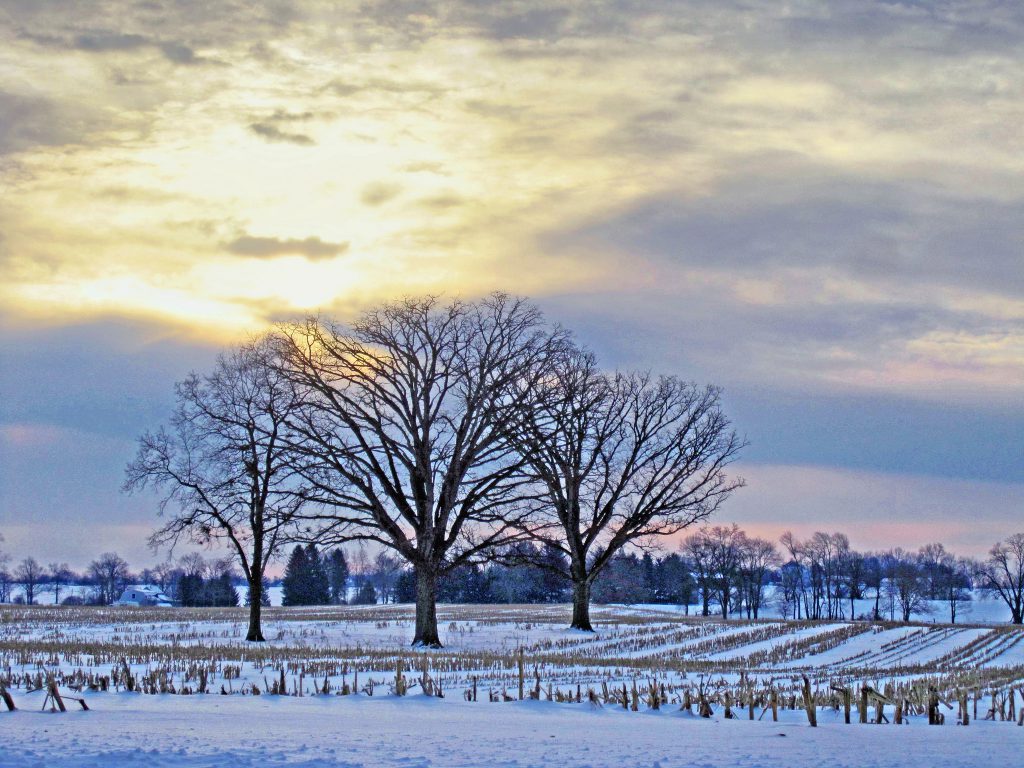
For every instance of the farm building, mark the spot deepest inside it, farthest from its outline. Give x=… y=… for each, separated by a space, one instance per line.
x=144 y=594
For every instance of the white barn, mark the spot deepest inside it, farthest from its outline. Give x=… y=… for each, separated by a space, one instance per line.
x=144 y=594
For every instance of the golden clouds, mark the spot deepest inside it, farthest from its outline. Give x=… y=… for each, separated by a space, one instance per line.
x=460 y=150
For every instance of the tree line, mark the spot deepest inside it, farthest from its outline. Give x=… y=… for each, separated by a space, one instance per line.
x=717 y=570
x=442 y=432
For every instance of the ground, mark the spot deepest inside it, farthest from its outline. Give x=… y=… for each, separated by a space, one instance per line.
x=419 y=731
x=87 y=648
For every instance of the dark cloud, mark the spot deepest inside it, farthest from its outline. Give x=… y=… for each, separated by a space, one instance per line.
x=271 y=132
x=101 y=42
x=442 y=201
x=794 y=215
x=28 y=121
x=379 y=193
x=311 y=247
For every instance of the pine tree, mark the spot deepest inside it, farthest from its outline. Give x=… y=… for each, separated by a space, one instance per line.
x=317 y=578
x=190 y=590
x=264 y=595
x=337 y=574
x=296 y=579
x=367 y=595
x=219 y=592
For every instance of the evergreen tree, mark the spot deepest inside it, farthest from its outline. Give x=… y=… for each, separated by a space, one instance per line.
x=190 y=590
x=219 y=592
x=316 y=575
x=337 y=575
x=553 y=564
x=296 y=579
x=367 y=595
x=405 y=587
x=264 y=594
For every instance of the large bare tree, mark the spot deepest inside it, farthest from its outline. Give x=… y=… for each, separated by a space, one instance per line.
x=622 y=459
x=404 y=429
x=223 y=466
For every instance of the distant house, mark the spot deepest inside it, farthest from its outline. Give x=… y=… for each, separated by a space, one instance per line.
x=144 y=594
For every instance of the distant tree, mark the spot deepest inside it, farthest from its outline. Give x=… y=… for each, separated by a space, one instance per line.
x=405 y=587
x=908 y=583
x=164 y=575
x=59 y=576
x=29 y=573
x=853 y=572
x=953 y=582
x=337 y=576
x=824 y=558
x=552 y=583
x=719 y=550
x=190 y=590
x=219 y=592
x=386 y=567
x=264 y=594
x=6 y=582
x=622 y=580
x=1002 y=574
x=758 y=558
x=109 y=574
x=698 y=549
x=366 y=595
x=318 y=583
x=465 y=584
x=874 y=578
x=223 y=464
x=621 y=459
x=513 y=578
x=674 y=582
x=296 y=579
x=791 y=578
x=795 y=574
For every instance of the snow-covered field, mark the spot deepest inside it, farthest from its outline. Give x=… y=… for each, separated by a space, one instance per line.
x=581 y=685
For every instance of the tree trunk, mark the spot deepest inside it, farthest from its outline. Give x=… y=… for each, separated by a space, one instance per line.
x=581 y=606
x=426 y=609
x=255 y=633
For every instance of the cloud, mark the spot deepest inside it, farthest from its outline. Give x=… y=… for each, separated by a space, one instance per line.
x=379 y=192
x=262 y=247
x=30 y=120
x=775 y=213
x=102 y=42
x=271 y=132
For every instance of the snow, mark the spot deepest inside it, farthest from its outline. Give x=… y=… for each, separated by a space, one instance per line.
x=236 y=732
x=312 y=730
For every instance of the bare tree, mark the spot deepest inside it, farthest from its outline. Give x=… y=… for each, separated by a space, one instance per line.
x=223 y=466
x=5 y=576
x=698 y=551
x=758 y=557
x=795 y=572
x=404 y=433
x=59 y=576
x=725 y=547
x=907 y=583
x=109 y=572
x=1003 y=574
x=29 y=573
x=622 y=460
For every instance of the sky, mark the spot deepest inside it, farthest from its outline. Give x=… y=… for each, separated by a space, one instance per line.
x=817 y=206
